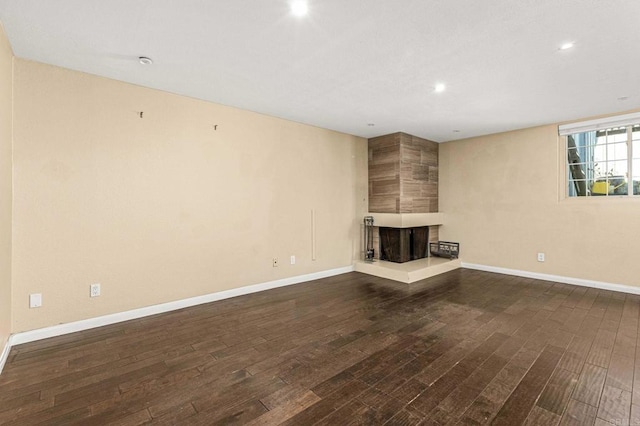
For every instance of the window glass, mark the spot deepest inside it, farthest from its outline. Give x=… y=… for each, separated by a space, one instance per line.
x=599 y=162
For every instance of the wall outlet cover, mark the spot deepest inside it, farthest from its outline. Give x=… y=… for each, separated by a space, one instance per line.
x=35 y=300
x=94 y=290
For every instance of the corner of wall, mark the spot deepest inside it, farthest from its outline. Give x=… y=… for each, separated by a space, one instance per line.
x=6 y=193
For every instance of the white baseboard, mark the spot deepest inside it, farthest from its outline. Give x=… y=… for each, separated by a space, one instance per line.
x=72 y=327
x=5 y=353
x=557 y=278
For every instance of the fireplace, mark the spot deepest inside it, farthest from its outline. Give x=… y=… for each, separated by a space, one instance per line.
x=401 y=245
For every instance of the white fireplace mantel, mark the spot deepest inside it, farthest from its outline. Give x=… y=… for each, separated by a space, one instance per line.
x=406 y=220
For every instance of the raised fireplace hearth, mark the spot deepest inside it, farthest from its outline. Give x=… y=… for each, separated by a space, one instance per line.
x=401 y=245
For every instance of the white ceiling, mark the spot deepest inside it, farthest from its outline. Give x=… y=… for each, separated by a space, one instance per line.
x=353 y=62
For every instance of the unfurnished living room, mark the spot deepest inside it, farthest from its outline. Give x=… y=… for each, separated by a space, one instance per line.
x=302 y=212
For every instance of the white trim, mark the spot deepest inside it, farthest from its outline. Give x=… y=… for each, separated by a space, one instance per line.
x=72 y=327
x=557 y=278
x=406 y=220
x=5 y=352
x=58 y=330
x=599 y=124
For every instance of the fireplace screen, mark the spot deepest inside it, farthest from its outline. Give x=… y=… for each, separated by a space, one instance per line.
x=404 y=244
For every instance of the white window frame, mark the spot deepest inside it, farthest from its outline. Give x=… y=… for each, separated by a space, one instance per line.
x=599 y=124
x=626 y=120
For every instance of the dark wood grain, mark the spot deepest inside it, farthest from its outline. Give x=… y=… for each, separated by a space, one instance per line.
x=555 y=396
x=590 y=384
x=540 y=416
x=618 y=372
x=517 y=407
x=615 y=405
x=466 y=347
x=578 y=414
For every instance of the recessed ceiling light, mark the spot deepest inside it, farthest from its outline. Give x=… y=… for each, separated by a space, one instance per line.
x=299 y=7
x=145 y=61
x=440 y=87
x=567 y=45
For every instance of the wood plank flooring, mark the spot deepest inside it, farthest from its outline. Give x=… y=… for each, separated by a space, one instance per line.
x=466 y=347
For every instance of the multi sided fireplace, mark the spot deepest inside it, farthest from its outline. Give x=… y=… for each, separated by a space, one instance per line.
x=401 y=245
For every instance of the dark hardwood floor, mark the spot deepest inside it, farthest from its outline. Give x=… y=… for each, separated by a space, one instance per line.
x=466 y=347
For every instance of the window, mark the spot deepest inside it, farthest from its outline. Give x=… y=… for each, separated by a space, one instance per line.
x=603 y=157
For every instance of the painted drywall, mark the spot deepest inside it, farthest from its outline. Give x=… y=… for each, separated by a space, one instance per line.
x=166 y=206
x=6 y=87
x=502 y=198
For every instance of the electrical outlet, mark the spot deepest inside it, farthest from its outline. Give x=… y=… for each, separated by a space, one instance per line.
x=35 y=300
x=275 y=262
x=293 y=260
x=540 y=257
x=94 y=290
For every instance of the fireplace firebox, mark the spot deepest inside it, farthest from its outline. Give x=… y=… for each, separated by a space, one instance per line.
x=401 y=245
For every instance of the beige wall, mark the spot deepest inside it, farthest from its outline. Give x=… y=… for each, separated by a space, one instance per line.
x=164 y=207
x=6 y=72
x=501 y=197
